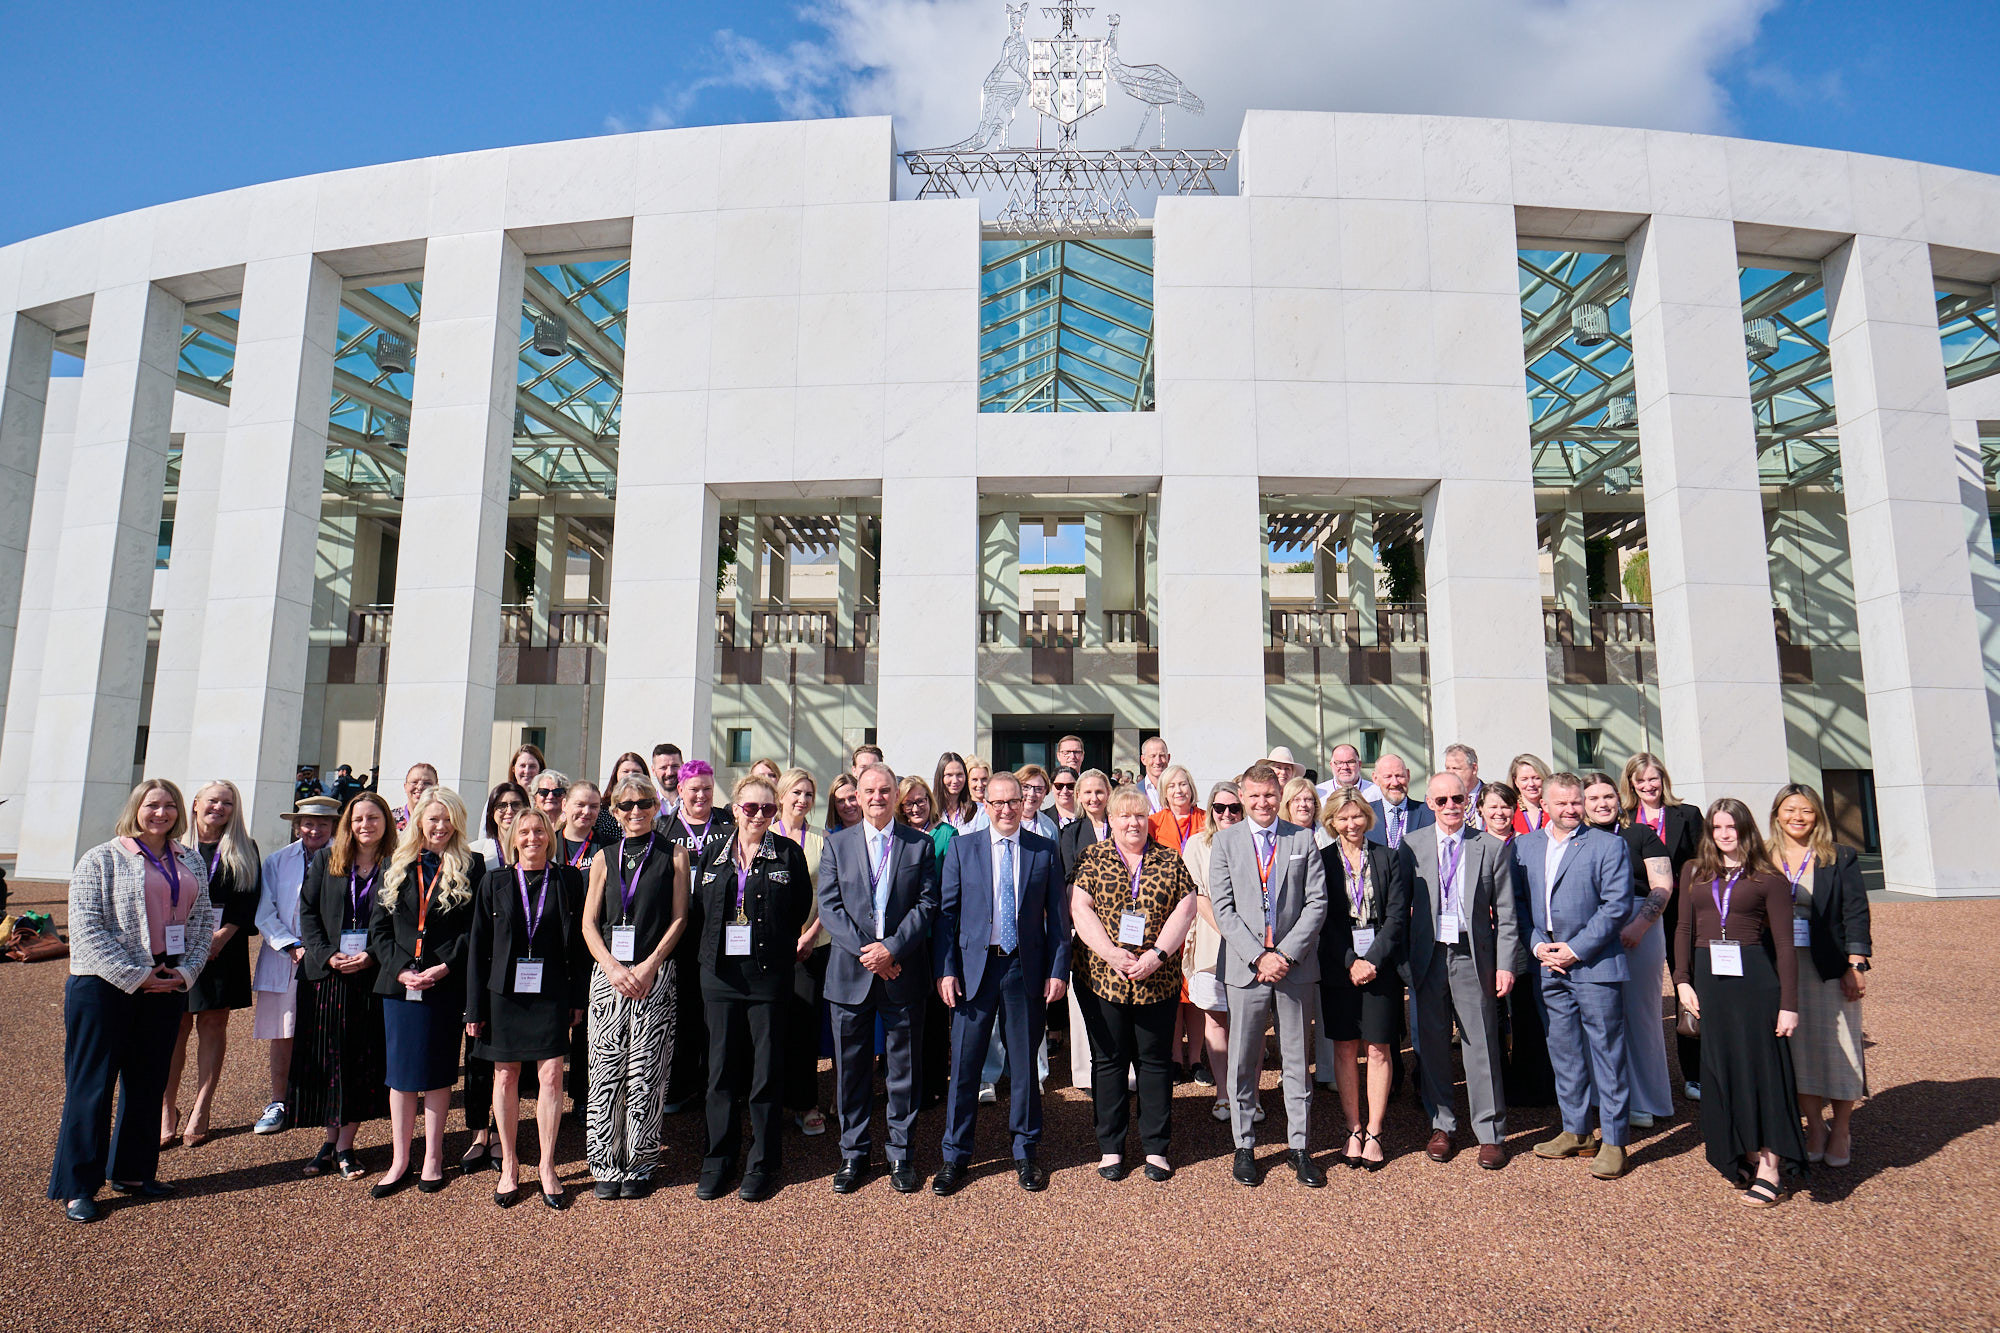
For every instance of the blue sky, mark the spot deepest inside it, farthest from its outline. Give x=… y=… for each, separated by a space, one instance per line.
x=117 y=106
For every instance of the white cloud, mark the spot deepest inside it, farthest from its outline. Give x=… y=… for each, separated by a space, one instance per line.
x=1620 y=62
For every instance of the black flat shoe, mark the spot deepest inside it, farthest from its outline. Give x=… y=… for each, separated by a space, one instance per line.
x=905 y=1177
x=635 y=1189
x=430 y=1186
x=81 y=1210
x=853 y=1172
x=1157 y=1173
x=508 y=1198
x=558 y=1201
x=1114 y=1171
x=389 y=1187
x=145 y=1189
x=949 y=1177
x=1034 y=1177
x=477 y=1158
x=757 y=1187
x=1244 y=1171
x=606 y=1189
x=714 y=1181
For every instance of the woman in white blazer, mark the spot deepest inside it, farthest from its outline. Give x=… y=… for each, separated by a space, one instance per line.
x=276 y=976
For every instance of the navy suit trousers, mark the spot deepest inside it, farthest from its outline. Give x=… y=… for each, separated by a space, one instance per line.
x=1008 y=996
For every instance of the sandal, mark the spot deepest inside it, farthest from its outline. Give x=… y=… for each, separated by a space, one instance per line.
x=1366 y=1138
x=350 y=1165
x=321 y=1163
x=1354 y=1159
x=1762 y=1194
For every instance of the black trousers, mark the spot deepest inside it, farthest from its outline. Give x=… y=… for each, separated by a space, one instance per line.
x=745 y=1050
x=934 y=1052
x=112 y=1040
x=1122 y=1036
x=687 y=1074
x=802 y=1031
x=1686 y=1048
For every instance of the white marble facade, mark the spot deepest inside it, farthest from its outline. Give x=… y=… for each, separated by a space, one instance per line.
x=1348 y=323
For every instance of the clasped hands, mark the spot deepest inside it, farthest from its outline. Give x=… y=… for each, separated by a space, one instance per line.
x=877 y=959
x=1131 y=966
x=1557 y=958
x=412 y=979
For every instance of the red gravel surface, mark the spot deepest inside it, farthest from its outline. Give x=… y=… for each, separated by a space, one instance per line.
x=1907 y=1237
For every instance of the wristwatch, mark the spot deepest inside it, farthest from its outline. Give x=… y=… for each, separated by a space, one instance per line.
x=1862 y=966
x=1161 y=952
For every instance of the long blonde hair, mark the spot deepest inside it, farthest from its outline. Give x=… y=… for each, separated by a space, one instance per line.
x=1821 y=840
x=455 y=862
x=1628 y=795
x=239 y=854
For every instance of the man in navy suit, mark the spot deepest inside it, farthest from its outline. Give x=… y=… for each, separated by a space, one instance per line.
x=1396 y=814
x=1002 y=954
x=1579 y=895
x=878 y=895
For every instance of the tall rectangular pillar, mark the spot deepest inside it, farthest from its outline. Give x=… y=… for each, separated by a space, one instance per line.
x=1362 y=621
x=847 y=576
x=24 y=678
x=660 y=658
x=256 y=634
x=25 y=349
x=1979 y=553
x=1000 y=555
x=177 y=666
x=1928 y=725
x=1571 y=560
x=551 y=566
x=1211 y=644
x=450 y=564
x=1722 y=717
x=749 y=568
x=1093 y=580
x=1483 y=601
x=927 y=681
x=94 y=658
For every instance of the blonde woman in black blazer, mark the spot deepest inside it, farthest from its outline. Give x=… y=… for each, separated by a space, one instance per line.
x=1361 y=960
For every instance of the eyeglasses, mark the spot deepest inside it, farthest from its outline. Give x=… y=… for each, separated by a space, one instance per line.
x=1227 y=808
x=756 y=809
x=1008 y=804
x=549 y=793
x=635 y=805
x=1035 y=789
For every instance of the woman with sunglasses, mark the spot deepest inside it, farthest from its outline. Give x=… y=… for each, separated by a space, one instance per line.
x=796 y=794
x=1204 y=951
x=627 y=765
x=752 y=892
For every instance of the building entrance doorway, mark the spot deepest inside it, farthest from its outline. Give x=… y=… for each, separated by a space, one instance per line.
x=1032 y=740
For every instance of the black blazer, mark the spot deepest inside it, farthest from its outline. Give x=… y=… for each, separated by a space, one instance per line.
x=323 y=915
x=499 y=936
x=1071 y=842
x=1840 y=924
x=1391 y=918
x=776 y=898
x=1681 y=832
x=392 y=938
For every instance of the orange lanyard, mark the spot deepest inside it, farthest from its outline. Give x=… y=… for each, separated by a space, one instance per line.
x=424 y=907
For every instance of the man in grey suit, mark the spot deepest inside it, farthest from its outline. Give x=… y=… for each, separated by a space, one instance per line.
x=1464 y=950
x=1267 y=886
x=1579 y=896
x=878 y=896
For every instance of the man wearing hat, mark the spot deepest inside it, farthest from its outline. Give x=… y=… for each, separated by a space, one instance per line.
x=276 y=979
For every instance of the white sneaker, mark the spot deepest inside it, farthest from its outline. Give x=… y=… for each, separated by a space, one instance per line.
x=1691 y=1091
x=987 y=1094
x=273 y=1121
x=1220 y=1111
x=1639 y=1120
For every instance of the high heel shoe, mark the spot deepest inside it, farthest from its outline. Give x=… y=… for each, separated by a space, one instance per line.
x=1354 y=1159
x=167 y=1139
x=1366 y=1138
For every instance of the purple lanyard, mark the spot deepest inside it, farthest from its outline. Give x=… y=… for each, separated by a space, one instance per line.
x=1659 y=825
x=213 y=862
x=359 y=901
x=628 y=889
x=875 y=872
x=1794 y=877
x=699 y=838
x=1135 y=869
x=1357 y=889
x=534 y=915
x=170 y=871
x=1722 y=894
x=1449 y=858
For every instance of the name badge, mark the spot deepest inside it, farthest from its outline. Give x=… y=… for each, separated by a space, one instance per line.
x=1364 y=940
x=1801 y=932
x=413 y=995
x=1131 y=928
x=528 y=976
x=1725 y=958
x=624 y=942
x=353 y=941
x=177 y=939
x=1448 y=928
x=736 y=941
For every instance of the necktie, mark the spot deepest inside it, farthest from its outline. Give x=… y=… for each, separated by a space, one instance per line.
x=1396 y=826
x=1010 y=931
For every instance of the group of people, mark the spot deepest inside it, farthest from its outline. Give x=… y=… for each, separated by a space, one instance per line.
x=650 y=950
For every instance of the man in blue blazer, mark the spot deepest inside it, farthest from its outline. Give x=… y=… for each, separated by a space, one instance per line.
x=1396 y=815
x=878 y=895
x=1579 y=896
x=1002 y=953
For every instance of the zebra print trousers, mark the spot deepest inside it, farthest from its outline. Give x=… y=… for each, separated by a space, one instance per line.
x=631 y=1049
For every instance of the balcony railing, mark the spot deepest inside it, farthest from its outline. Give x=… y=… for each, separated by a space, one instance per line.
x=578 y=624
x=1052 y=629
x=1316 y=628
x=1127 y=627
x=574 y=624
x=989 y=627
x=369 y=624
x=786 y=624
x=1610 y=622
x=1395 y=622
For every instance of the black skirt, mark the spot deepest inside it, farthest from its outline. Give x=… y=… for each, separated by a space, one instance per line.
x=525 y=1027
x=1528 y=1078
x=1749 y=1097
x=224 y=981
x=339 y=1075
x=1361 y=1013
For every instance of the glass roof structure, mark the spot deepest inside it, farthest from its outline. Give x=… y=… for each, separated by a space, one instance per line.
x=1066 y=326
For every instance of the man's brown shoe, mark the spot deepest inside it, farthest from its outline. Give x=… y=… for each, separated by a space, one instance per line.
x=1492 y=1156
x=1609 y=1164
x=1441 y=1147
x=1564 y=1144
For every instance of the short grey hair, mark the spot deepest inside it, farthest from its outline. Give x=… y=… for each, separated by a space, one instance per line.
x=893 y=779
x=562 y=779
x=1463 y=751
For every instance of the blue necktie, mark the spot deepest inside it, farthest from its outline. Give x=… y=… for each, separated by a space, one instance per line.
x=1010 y=931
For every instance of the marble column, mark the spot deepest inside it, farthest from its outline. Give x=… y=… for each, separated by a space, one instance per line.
x=749 y=568
x=1211 y=644
x=927 y=680
x=1000 y=546
x=204 y=426
x=1570 y=557
x=24 y=678
x=451 y=560
x=1361 y=619
x=1093 y=581
x=25 y=350
x=1721 y=713
x=94 y=657
x=1929 y=728
x=551 y=567
x=256 y=632
x=1979 y=554
x=847 y=577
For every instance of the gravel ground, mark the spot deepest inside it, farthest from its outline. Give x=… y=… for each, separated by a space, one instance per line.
x=1906 y=1237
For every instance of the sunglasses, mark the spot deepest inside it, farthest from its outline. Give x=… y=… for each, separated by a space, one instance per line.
x=635 y=805
x=1065 y=786
x=1447 y=800
x=549 y=793
x=505 y=806
x=1227 y=808
x=756 y=809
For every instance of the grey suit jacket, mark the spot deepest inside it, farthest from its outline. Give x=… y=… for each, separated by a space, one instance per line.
x=1490 y=921
x=1298 y=879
